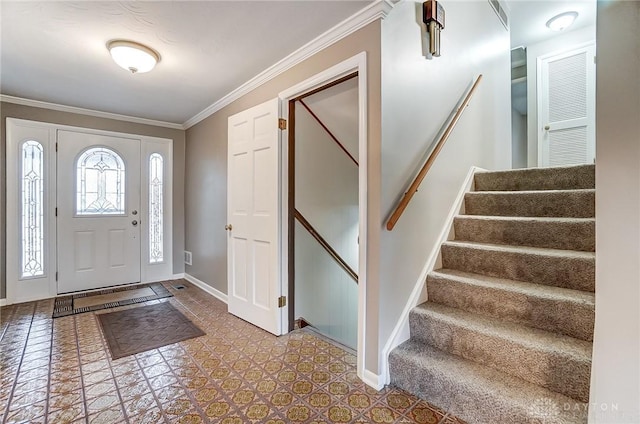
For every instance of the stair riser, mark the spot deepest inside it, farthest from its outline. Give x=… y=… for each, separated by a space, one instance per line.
x=553 y=370
x=552 y=235
x=574 y=319
x=472 y=402
x=469 y=404
x=570 y=178
x=577 y=204
x=559 y=271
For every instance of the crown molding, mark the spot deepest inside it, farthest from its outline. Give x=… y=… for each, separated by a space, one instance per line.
x=379 y=9
x=89 y=112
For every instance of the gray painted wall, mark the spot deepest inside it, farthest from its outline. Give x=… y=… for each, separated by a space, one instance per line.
x=206 y=175
x=519 y=139
x=615 y=378
x=418 y=94
x=10 y=110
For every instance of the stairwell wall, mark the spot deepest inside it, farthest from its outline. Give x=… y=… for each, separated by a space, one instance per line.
x=418 y=94
x=326 y=193
x=615 y=378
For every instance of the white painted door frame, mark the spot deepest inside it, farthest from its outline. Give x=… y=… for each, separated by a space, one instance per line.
x=357 y=63
x=27 y=289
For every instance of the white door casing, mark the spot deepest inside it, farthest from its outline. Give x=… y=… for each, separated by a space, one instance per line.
x=566 y=107
x=97 y=249
x=253 y=215
x=357 y=63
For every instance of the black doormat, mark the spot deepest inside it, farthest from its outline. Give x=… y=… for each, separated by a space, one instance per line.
x=144 y=328
x=67 y=305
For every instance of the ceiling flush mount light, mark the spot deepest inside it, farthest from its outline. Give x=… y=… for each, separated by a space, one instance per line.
x=132 y=56
x=562 y=21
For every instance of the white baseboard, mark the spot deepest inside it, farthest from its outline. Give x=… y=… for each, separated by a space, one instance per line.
x=400 y=332
x=3 y=302
x=373 y=380
x=206 y=287
x=177 y=276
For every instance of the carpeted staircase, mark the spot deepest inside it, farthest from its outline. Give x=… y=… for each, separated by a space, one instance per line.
x=506 y=334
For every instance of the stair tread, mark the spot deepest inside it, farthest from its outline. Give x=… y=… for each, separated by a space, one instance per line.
x=579 y=203
x=572 y=176
x=543 y=251
x=522 y=287
x=564 y=233
x=554 y=219
x=526 y=170
x=509 y=392
x=526 y=336
x=563 y=310
x=532 y=192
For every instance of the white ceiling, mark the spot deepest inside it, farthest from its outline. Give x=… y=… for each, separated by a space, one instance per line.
x=529 y=18
x=528 y=27
x=54 y=51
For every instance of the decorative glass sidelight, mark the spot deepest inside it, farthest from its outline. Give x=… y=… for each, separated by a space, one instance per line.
x=32 y=203
x=156 y=229
x=100 y=183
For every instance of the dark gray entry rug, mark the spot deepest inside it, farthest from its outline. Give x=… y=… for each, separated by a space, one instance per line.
x=144 y=328
x=108 y=298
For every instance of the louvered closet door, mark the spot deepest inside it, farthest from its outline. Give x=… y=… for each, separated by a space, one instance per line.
x=566 y=112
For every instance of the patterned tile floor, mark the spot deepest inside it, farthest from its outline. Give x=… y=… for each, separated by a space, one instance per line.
x=60 y=371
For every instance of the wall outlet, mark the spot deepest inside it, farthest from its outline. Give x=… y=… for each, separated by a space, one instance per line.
x=187 y=257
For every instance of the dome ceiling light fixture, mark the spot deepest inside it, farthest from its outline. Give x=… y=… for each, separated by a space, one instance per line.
x=134 y=57
x=562 y=21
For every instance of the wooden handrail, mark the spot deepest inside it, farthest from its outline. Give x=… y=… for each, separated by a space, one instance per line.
x=302 y=220
x=328 y=131
x=413 y=188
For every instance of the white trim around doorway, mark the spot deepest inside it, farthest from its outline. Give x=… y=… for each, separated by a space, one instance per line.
x=357 y=63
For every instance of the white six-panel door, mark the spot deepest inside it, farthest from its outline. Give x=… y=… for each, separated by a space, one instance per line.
x=253 y=216
x=98 y=211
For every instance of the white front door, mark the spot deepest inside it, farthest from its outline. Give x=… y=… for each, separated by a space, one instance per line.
x=253 y=266
x=566 y=113
x=98 y=208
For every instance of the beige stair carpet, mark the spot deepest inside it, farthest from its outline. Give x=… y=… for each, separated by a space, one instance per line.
x=506 y=335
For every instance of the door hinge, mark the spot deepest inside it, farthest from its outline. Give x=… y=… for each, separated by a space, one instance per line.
x=56 y=211
x=282 y=123
x=56 y=147
x=282 y=301
x=56 y=275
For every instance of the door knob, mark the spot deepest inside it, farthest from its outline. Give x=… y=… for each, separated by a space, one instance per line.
x=547 y=127
x=134 y=222
x=134 y=212
x=228 y=227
